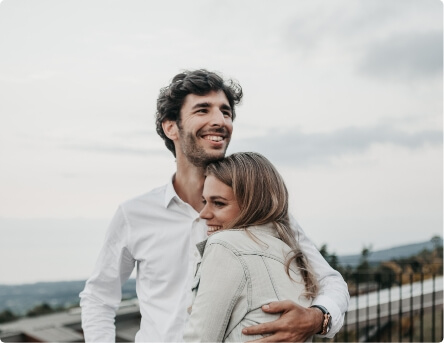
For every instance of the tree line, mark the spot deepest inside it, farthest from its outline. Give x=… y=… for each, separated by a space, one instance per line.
x=367 y=276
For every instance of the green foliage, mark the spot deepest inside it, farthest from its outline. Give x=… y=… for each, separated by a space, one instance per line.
x=7 y=316
x=366 y=275
x=332 y=259
x=39 y=310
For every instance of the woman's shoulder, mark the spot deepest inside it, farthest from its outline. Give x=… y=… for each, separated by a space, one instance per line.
x=229 y=236
x=241 y=239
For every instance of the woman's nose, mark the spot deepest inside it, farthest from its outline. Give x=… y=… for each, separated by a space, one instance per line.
x=205 y=213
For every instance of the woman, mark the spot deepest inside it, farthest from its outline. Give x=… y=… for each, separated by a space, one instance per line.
x=251 y=257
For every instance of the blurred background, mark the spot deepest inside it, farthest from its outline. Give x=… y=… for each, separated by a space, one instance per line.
x=345 y=98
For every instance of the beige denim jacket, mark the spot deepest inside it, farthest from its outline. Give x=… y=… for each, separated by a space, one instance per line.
x=237 y=275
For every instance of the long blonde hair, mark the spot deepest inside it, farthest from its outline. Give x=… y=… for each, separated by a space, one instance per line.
x=262 y=198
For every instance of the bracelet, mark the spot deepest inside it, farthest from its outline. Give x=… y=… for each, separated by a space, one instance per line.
x=326 y=324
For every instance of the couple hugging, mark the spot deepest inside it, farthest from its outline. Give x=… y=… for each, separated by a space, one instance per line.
x=218 y=256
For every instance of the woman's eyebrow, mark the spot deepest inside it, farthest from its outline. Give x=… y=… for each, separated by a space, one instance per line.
x=217 y=197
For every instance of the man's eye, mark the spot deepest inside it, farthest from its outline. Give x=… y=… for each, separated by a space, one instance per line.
x=204 y=201
x=228 y=114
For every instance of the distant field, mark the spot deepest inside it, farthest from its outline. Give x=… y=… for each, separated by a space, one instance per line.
x=19 y=299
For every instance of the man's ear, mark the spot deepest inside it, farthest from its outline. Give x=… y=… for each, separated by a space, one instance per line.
x=170 y=128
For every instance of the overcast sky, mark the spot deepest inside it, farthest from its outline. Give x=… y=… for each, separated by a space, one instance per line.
x=345 y=97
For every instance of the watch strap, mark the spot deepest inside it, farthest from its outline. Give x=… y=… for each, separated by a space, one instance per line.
x=326 y=324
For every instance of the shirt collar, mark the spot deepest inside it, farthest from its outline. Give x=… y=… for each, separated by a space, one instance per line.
x=265 y=228
x=170 y=192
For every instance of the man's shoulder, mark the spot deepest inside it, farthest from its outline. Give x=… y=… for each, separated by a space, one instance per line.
x=153 y=197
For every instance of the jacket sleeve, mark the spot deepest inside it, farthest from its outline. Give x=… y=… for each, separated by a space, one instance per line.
x=103 y=291
x=333 y=291
x=222 y=281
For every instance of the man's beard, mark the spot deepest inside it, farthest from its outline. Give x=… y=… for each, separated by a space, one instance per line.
x=195 y=153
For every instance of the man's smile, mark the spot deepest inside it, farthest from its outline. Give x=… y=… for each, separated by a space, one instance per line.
x=213 y=138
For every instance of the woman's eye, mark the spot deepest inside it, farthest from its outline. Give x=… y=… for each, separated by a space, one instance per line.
x=204 y=201
x=219 y=204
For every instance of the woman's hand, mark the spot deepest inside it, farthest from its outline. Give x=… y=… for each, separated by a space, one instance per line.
x=296 y=323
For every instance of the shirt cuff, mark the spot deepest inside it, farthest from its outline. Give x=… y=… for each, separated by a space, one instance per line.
x=337 y=318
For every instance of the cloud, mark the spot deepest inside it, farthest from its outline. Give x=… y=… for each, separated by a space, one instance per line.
x=405 y=56
x=115 y=150
x=292 y=147
x=346 y=23
x=301 y=149
x=397 y=39
x=135 y=142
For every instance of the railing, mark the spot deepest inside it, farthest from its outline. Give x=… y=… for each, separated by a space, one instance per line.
x=393 y=308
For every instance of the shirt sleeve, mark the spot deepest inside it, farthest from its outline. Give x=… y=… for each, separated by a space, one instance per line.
x=333 y=291
x=222 y=281
x=103 y=291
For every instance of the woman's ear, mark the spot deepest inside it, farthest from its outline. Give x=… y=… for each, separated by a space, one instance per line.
x=170 y=128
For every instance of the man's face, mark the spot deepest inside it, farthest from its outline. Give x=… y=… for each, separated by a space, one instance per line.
x=205 y=127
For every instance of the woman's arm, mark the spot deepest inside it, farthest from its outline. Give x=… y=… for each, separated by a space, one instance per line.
x=222 y=280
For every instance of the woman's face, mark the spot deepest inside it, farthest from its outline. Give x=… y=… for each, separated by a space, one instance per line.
x=220 y=205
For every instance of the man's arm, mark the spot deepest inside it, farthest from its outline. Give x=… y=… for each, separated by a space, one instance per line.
x=297 y=323
x=333 y=290
x=103 y=291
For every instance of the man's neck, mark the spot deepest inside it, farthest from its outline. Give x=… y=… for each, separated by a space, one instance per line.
x=188 y=183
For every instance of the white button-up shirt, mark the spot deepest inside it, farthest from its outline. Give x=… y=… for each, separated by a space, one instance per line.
x=158 y=233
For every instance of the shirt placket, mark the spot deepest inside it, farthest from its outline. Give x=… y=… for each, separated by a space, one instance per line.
x=197 y=234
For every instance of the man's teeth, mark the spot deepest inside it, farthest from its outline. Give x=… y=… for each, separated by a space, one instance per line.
x=214 y=228
x=214 y=138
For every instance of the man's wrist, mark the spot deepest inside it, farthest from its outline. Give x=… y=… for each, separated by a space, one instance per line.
x=318 y=320
x=325 y=320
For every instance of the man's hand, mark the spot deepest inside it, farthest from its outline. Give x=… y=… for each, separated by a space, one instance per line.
x=296 y=324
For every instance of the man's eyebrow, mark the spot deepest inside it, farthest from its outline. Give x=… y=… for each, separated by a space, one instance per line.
x=201 y=104
x=208 y=104
x=226 y=107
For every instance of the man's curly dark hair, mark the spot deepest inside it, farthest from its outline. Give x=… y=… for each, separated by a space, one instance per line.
x=199 y=82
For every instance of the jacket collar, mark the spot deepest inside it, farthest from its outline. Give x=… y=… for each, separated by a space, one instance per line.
x=266 y=229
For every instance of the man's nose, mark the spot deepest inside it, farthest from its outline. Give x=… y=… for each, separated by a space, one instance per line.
x=217 y=118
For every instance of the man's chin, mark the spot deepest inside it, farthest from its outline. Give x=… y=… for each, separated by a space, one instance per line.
x=215 y=157
x=203 y=161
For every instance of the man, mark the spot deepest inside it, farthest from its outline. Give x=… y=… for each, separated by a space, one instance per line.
x=158 y=231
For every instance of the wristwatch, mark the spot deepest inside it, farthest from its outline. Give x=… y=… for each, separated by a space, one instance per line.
x=326 y=324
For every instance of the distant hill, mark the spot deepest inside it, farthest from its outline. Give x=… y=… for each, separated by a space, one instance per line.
x=375 y=257
x=19 y=299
